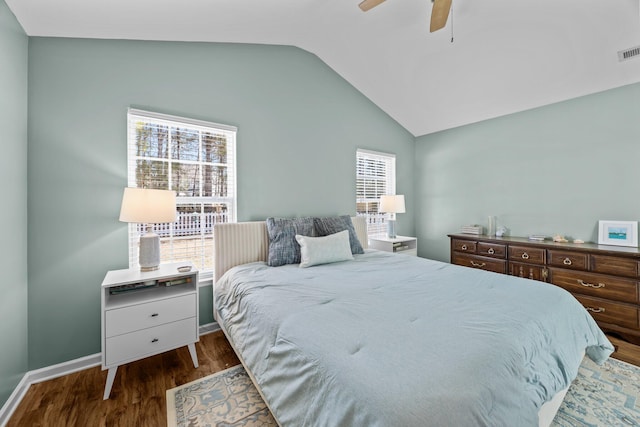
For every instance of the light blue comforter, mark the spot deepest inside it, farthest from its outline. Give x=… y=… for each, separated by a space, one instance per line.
x=395 y=340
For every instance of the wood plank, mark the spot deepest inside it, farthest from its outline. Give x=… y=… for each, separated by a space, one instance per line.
x=138 y=396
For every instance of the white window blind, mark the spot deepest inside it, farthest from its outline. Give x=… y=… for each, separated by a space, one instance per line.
x=197 y=160
x=375 y=177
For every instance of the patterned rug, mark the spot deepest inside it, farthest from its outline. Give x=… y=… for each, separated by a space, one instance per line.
x=607 y=395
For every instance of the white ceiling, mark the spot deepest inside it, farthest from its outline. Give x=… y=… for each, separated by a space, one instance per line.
x=507 y=55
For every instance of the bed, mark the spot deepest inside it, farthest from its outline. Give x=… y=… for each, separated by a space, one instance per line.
x=394 y=340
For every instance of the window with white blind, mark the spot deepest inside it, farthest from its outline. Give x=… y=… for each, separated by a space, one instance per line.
x=196 y=159
x=375 y=177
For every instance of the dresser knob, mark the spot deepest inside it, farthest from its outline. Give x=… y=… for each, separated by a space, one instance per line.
x=478 y=264
x=525 y=256
x=464 y=247
x=567 y=261
x=491 y=251
x=595 y=309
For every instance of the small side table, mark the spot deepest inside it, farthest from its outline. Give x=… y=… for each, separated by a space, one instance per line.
x=146 y=313
x=398 y=245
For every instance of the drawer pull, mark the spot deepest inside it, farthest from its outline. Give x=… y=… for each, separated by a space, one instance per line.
x=155 y=340
x=478 y=264
x=463 y=247
x=491 y=251
x=595 y=309
x=154 y=315
x=525 y=256
x=567 y=261
x=591 y=285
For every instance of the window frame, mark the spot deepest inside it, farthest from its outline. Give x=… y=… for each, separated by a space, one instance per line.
x=376 y=221
x=205 y=220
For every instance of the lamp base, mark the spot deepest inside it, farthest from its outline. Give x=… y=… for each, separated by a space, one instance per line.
x=149 y=255
x=391 y=229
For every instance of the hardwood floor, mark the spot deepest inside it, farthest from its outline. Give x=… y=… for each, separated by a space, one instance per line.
x=138 y=394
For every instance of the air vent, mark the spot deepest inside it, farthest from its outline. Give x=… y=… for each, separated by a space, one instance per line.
x=623 y=55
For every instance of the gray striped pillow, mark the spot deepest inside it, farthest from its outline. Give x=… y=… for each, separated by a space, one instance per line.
x=283 y=247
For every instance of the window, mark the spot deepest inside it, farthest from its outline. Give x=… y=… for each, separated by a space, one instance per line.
x=196 y=159
x=375 y=177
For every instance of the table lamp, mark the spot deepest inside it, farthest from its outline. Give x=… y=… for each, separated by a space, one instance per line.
x=392 y=204
x=146 y=206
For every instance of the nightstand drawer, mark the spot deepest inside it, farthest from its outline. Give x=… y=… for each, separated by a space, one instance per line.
x=142 y=316
x=135 y=345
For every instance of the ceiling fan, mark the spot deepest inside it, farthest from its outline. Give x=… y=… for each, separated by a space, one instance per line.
x=439 y=13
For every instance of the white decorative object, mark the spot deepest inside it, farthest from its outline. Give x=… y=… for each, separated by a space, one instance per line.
x=618 y=233
x=491 y=226
x=502 y=231
x=147 y=206
x=392 y=204
x=146 y=313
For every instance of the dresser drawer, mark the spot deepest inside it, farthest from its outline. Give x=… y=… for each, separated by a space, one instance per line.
x=568 y=259
x=614 y=265
x=141 y=316
x=464 y=245
x=527 y=254
x=135 y=345
x=597 y=285
x=528 y=271
x=493 y=250
x=610 y=312
x=483 y=263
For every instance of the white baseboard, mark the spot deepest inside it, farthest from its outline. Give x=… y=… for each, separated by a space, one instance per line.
x=208 y=328
x=14 y=400
x=61 y=369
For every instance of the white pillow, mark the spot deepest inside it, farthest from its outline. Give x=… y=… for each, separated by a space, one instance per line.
x=324 y=250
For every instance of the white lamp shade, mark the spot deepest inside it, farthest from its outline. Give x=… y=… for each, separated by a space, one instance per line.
x=144 y=206
x=392 y=203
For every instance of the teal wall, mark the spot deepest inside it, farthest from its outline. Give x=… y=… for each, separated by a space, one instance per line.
x=553 y=170
x=299 y=125
x=13 y=215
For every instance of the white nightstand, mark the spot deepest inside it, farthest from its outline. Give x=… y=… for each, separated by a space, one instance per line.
x=146 y=313
x=399 y=245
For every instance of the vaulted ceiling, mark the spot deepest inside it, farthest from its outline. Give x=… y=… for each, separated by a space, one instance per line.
x=506 y=55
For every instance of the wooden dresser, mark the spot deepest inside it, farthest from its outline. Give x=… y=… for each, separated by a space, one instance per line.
x=605 y=279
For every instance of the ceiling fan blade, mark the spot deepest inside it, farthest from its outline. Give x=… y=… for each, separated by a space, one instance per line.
x=369 y=4
x=439 y=14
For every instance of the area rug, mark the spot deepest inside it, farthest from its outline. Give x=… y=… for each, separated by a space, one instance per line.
x=224 y=399
x=607 y=396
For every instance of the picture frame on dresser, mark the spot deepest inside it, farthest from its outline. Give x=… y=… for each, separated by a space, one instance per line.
x=618 y=233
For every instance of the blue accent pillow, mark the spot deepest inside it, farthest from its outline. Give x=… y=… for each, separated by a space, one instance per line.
x=283 y=247
x=332 y=225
